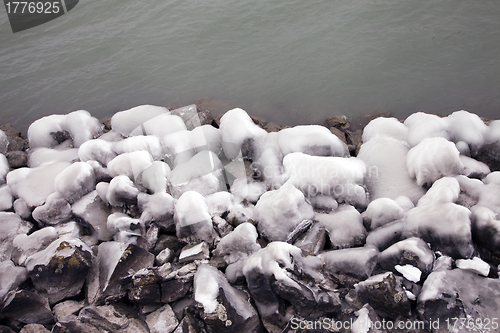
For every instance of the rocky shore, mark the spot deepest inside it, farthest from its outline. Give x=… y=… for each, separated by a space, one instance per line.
x=203 y=218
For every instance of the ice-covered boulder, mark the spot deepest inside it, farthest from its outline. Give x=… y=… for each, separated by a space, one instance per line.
x=148 y=143
x=469 y=128
x=26 y=245
x=124 y=122
x=56 y=209
x=82 y=127
x=11 y=276
x=387 y=176
x=220 y=202
x=422 y=125
x=385 y=127
x=6 y=198
x=206 y=137
x=239 y=244
x=34 y=185
x=344 y=226
x=358 y=263
x=269 y=164
x=432 y=159
x=475 y=265
x=124 y=228
x=4 y=142
x=75 y=181
x=93 y=210
x=121 y=191
x=441 y=222
x=27 y=307
x=155 y=176
x=4 y=168
x=457 y=293
x=11 y=225
x=278 y=212
x=225 y=309
x=340 y=178
x=43 y=156
x=382 y=211
x=158 y=208
x=386 y=235
x=130 y=164
x=98 y=150
x=411 y=251
x=486 y=228
x=312 y=140
x=244 y=189
x=240 y=134
x=192 y=218
x=60 y=270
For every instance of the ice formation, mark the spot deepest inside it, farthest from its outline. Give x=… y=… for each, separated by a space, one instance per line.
x=124 y=122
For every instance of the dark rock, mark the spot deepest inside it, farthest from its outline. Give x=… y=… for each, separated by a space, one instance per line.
x=299 y=230
x=362 y=121
x=166 y=242
x=312 y=241
x=60 y=136
x=457 y=293
x=273 y=127
x=339 y=122
x=187 y=325
x=385 y=236
x=17 y=159
x=490 y=155
x=16 y=143
x=103 y=317
x=91 y=209
x=412 y=251
x=339 y=134
x=385 y=294
x=216 y=107
x=165 y=255
x=28 y=308
x=55 y=210
x=175 y=289
x=486 y=229
x=354 y=141
x=358 y=263
x=5 y=329
x=64 y=274
x=71 y=324
x=145 y=288
x=67 y=308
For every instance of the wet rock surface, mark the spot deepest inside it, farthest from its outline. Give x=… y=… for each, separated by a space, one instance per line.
x=280 y=231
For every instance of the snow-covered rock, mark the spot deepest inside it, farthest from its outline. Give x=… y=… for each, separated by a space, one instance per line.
x=357 y=262
x=4 y=168
x=240 y=135
x=130 y=164
x=155 y=176
x=6 y=198
x=93 y=210
x=469 y=128
x=75 y=181
x=385 y=127
x=124 y=122
x=148 y=143
x=239 y=244
x=341 y=178
x=43 y=156
x=34 y=185
x=475 y=265
x=432 y=159
x=312 y=140
x=11 y=277
x=192 y=218
x=278 y=212
x=82 y=127
x=4 y=142
x=422 y=125
x=56 y=209
x=121 y=191
x=382 y=211
x=158 y=208
x=411 y=251
x=344 y=226
x=27 y=245
x=98 y=150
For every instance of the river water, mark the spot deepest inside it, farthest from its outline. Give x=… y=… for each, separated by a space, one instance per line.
x=292 y=62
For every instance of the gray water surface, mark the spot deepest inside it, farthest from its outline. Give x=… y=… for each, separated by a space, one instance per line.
x=292 y=62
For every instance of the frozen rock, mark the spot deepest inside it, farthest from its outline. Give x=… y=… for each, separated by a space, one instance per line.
x=219 y=202
x=194 y=252
x=28 y=308
x=178 y=147
x=17 y=159
x=164 y=256
x=162 y=320
x=324 y=202
x=387 y=176
x=161 y=125
x=93 y=210
x=355 y=262
x=130 y=164
x=155 y=176
x=385 y=127
x=189 y=115
x=439 y=221
x=344 y=226
x=105 y=317
x=75 y=181
x=97 y=150
x=124 y=122
x=148 y=143
x=34 y=185
x=34 y=328
x=122 y=225
x=11 y=277
x=278 y=212
x=177 y=283
x=158 y=208
x=44 y=156
x=240 y=134
x=6 y=198
x=121 y=191
x=312 y=241
x=268 y=164
x=66 y=308
x=422 y=125
x=4 y=168
x=56 y=209
x=60 y=270
x=225 y=309
x=206 y=137
x=24 y=246
x=469 y=128
x=385 y=236
x=475 y=265
x=239 y=244
x=486 y=228
x=243 y=189
x=340 y=178
x=385 y=294
x=432 y=159
x=48 y=131
x=382 y=211
x=202 y=173
x=4 y=142
x=457 y=293
x=192 y=218
x=11 y=225
x=312 y=140
x=73 y=325
x=411 y=251
x=82 y=127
